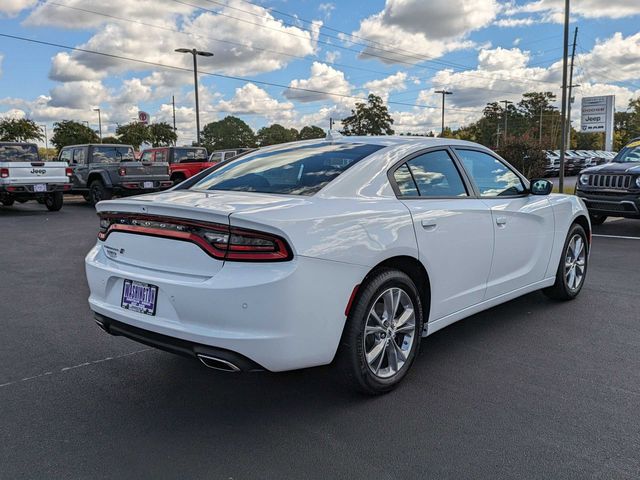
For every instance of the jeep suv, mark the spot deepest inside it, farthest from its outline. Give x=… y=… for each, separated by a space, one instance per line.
x=24 y=176
x=613 y=189
x=184 y=162
x=101 y=171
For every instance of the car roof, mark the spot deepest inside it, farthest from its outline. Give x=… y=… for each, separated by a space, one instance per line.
x=395 y=140
x=98 y=145
x=16 y=143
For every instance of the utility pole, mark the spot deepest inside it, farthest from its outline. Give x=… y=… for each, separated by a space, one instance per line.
x=563 y=135
x=443 y=92
x=99 y=123
x=506 y=105
x=173 y=103
x=571 y=85
x=195 y=54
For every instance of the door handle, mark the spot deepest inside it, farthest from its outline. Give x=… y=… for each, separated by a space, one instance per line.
x=501 y=220
x=429 y=224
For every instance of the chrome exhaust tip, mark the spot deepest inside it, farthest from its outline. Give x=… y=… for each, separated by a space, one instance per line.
x=217 y=363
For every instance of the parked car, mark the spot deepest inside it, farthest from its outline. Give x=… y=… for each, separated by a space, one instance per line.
x=100 y=171
x=224 y=155
x=553 y=163
x=184 y=162
x=348 y=249
x=613 y=189
x=24 y=176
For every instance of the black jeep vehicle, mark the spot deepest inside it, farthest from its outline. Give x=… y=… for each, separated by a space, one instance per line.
x=613 y=189
x=101 y=171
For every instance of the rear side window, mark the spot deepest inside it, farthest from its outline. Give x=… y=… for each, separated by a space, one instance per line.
x=294 y=170
x=147 y=157
x=78 y=156
x=161 y=156
x=432 y=174
x=492 y=177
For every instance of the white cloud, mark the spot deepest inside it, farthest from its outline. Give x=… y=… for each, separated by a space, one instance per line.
x=13 y=7
x=502 y=59
x=414 y=28
x=332 y=55
x=323 y=78
x=384 y=86
x=65 y=68
x=553 y=10
x=515 y=22
x=78 y=95
x=251 y=99
x=326 y=9
x=615 y=60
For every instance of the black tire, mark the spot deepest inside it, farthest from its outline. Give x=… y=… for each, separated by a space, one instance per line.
x=561 y=290
x=40 y=200
x=7 y=202
x=597 y=219
x=351 y=363
x=178 y=178
x=53 y=201
x=98 y=192
x=87 y=197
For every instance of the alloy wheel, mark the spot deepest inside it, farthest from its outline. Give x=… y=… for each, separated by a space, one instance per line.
x=389 y=332
x=575 y=262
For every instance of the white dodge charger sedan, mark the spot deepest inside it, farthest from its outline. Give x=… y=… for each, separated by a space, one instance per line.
x=344 y=250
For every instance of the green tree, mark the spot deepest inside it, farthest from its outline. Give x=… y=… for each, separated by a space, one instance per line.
x=111 y=140
x=133 y=133
x=275 y=134
x=525 y=154
x=230 y=132
x=69 y=132
x=371 y=118
x=19 y=130
x=161 y=135
x=308 y=133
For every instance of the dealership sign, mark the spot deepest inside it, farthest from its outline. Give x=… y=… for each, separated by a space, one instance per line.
x=597 y=116
x=143 y=117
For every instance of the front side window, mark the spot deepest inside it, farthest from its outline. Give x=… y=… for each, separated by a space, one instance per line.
x=66 y=156
x=18 y=153
x=293 y=170
x=161 y=156
x=492 y=177
x=216 y=157
x=629 y=154
x=104 y=154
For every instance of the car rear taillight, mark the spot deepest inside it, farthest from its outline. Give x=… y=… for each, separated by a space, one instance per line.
x=68 y=171
x=217 y=240
x=122 y=171
x=4 y=173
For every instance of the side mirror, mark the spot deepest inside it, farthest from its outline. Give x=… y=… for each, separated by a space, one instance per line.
x=541 y=186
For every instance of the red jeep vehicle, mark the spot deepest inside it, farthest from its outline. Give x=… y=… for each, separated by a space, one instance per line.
x=183 y=161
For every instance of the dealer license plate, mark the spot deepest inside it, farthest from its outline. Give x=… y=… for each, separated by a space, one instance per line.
x=40 y=187
x=148 y=184
x=139 y=297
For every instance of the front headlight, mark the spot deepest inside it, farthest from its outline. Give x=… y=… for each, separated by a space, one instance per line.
x=638 y=181
x=584 y=179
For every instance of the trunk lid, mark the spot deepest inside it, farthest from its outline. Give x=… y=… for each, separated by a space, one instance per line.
x=21 y=173
x=136 y=171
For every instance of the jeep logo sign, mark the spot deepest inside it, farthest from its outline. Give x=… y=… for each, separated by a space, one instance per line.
x=38 y=171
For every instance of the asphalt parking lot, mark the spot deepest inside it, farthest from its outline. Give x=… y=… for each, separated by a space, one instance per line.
x=530 y=389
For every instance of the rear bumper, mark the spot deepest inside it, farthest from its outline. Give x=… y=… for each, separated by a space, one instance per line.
x=613 y=205
x=280 y=316
x=28 y=190
x=138 y=186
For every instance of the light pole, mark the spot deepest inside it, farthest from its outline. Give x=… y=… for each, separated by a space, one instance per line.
x=195 y=54
x=443 y=92
x=99 y=123
x=506 y=105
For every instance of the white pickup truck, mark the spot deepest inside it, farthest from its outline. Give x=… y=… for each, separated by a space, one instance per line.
x=23 y=176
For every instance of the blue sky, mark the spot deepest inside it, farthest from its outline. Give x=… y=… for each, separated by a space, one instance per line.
x=482 y=50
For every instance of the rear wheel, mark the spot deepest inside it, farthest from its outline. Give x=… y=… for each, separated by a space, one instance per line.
x=572 y=270
x=53 y=201
x=381 y=337
x=597 y=219
x=98 y=192
x=7 y=202
x=178 y=178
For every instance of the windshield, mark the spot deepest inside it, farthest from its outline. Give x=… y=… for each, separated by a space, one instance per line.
x=630 y=153
x=295 y=170
x=18 y=153
x=189 y=155
x=103 y=154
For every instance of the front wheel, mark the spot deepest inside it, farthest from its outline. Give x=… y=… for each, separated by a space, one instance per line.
x=7 y=202
x=381 y=337
x=53 y=201
x=572 y=270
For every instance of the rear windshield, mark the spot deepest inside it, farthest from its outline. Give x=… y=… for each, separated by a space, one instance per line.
x=185 y=155
x=630 y=153
x=112 y=154
x=294 y=170
x=19 y=153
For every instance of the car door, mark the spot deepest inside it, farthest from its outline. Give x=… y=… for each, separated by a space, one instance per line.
x=80 y=167
x=453 y=229
x=524 y=224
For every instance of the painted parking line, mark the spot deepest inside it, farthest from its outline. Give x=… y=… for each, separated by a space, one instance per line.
x=615 y=236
